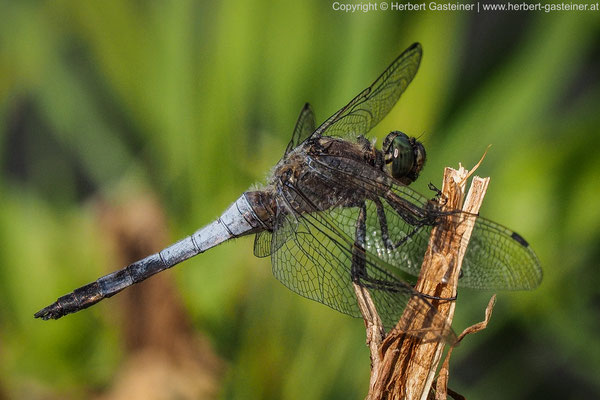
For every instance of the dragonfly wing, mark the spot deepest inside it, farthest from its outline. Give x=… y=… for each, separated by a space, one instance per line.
x=265 y=242
x=315 y=261
x=375 y=102
x=500 y=259
x=391 y=238
x=398 y=219
x=262 y=244
x=496 y=257
x=311 y=264
x=305 y=126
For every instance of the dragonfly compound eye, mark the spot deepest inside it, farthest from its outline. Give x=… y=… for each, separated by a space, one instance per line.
x=406 y=155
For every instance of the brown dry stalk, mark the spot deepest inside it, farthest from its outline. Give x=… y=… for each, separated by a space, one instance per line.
x=373 y=326
x=441 y=384
x=406 y=363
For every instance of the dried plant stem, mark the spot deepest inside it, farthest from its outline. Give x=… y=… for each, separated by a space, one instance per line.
x=373 y=326
x=405 y=364
x=441 y=384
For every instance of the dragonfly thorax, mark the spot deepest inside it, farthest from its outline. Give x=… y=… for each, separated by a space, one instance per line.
x=406 y=156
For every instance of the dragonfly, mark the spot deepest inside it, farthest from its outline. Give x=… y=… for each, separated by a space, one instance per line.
x=338 y=212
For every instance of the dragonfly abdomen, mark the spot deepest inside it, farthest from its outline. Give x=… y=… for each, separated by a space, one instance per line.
x=238 y=220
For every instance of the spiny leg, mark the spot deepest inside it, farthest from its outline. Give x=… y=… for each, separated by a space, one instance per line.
x=392 y=246
x=374 y=325
x=383 y=226
x=439 y=196
x=360 y=275
x=358 y=269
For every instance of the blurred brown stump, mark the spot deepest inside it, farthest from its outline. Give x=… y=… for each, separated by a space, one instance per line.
x=165 y=358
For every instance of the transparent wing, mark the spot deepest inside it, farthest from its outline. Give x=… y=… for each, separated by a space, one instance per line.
x=305 y=126
x=496 y=258
x=262 y=244
x=375 y=102
x=315 y=260
x=400 y=244
x=265 y=242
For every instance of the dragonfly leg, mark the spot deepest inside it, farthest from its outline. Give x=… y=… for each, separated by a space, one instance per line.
x=359 y=272
x=361 y=283
x=383 y=226
x=439 y=196
x=358 y=269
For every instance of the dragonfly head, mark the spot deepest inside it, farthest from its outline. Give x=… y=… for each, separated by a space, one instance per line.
x=406 y=156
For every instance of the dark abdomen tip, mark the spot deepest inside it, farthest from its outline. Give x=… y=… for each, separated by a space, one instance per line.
x=53 y=311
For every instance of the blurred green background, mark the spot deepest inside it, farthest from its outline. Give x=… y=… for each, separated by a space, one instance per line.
x=187 y=104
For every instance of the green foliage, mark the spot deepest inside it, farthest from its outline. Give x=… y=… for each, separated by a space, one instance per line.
x=198 y=100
